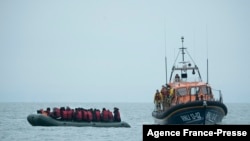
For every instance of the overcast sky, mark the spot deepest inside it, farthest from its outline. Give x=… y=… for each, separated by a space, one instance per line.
x=114 y=50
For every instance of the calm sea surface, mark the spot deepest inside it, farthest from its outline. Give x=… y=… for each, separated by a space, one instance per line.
x=15 y=127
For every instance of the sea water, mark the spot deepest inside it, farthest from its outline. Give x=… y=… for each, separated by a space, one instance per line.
x=15 y=127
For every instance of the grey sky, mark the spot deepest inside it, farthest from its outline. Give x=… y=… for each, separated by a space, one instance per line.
x=113 y=50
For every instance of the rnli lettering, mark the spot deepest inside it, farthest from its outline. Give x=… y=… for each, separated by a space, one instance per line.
x=191 y=116
x=157 y=134
x=211 y=116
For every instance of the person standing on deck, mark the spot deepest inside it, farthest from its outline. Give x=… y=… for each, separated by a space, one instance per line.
x=164 y=93
x=177 y=78
x=158 y=100
x=170 y=95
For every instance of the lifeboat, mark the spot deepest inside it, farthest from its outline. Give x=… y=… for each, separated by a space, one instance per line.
x=186 y=98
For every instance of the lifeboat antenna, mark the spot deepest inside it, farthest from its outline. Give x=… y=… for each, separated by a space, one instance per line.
x=207 y=55
x=166 y=69
x=182 y=48
x=207 y=70
x=165 y=53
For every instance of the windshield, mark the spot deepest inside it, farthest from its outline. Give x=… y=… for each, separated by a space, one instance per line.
x=181 y=91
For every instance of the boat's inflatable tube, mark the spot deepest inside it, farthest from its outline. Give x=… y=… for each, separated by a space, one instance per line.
x=42 y=120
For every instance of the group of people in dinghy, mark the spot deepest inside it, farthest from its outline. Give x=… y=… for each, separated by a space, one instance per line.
x=81 y=114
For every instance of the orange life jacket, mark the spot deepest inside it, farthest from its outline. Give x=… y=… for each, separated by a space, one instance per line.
x=98 y=115
x=57 y=113
x=69 y=114
x=105 y=115
x=110 y=116
x=64 y=115
x=85 y=115
x=90 y=116
x=79 y=115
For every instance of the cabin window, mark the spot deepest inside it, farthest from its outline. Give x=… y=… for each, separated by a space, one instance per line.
x=194 y=90
x=181 y=91
x=206 y=90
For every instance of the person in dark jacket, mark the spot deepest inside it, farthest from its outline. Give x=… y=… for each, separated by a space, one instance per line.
x=117 y=116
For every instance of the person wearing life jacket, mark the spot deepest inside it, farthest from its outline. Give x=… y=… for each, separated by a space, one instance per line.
x=89 y=115
x=93 y=114
x=74 y=114
x=56 y=113
x=158 y=100
x=117 y=117
x=84 y=115
x=69 y=112
x=98 y=115
x=78 y=114
x=61 y=112
x=105 y=115
x=64 y=115
x=164 y=93
x=110 y=116
x=171 y=95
